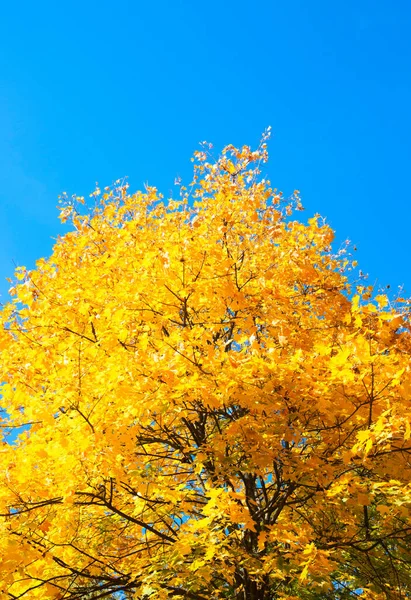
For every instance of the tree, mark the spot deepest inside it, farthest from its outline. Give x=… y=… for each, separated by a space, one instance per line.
x=215 y=408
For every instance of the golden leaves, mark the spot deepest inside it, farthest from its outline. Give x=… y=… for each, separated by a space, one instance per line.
x=204 y=396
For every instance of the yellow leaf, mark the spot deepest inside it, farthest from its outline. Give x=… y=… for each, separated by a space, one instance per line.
x=363 y=499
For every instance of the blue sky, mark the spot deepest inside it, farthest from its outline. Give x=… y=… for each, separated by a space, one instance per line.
x=93 y=91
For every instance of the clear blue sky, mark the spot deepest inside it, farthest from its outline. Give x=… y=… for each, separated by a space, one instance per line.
x=93 y=91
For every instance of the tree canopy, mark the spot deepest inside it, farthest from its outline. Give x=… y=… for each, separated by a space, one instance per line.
x=214 y=407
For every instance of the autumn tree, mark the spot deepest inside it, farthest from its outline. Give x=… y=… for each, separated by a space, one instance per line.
x=214 y=408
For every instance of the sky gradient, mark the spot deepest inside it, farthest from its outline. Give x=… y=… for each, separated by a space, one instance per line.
x=94 y=91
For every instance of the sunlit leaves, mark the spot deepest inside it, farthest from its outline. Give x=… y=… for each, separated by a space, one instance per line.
x=214 y=408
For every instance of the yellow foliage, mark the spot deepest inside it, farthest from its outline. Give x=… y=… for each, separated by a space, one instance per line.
x=210 y=410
